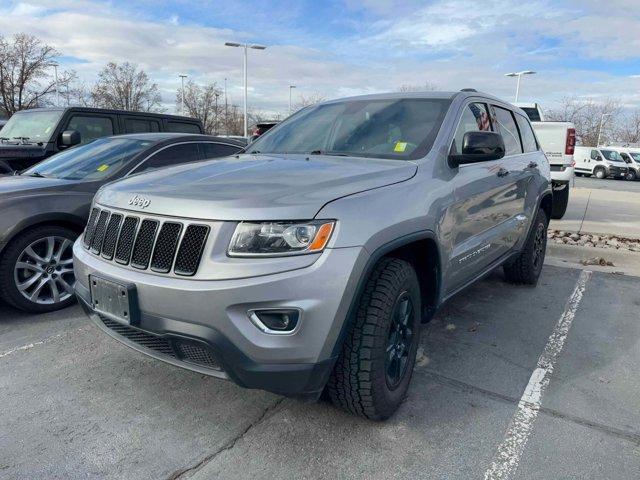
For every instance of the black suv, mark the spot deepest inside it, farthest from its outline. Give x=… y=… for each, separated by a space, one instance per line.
x=33 y=135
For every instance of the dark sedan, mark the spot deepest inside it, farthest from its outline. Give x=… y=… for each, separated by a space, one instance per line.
x=44 y=209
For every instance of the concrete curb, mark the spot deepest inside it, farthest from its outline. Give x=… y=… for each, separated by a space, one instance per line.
x=625 y=262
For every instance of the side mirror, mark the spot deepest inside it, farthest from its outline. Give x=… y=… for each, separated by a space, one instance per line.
x=70 y=138
x=478 y=147
x=598 y=158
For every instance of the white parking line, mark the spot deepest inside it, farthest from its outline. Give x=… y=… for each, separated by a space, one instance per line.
x=507 y=457
x=35 y=344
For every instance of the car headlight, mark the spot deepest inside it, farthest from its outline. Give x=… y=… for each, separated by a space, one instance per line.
x=280 y=238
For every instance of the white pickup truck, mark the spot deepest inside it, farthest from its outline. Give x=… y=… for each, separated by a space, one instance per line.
x=558 y=140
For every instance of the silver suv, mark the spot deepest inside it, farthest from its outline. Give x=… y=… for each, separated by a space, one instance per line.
x=310 y=261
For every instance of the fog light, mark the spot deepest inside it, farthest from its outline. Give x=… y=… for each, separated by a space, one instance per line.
x=275 y=321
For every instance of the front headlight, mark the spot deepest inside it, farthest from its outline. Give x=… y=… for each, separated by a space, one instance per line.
x=280 y=238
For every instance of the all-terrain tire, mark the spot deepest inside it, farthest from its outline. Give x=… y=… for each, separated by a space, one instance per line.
x=16 y=248
x=560 y=202
x=527 y=266
x=360 y=382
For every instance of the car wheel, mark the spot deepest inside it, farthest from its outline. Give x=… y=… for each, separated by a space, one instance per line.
x=527 y=266
x=36 y=270
x=599 y=173
x=373 y=371
x=560 y=202
x=631 y=175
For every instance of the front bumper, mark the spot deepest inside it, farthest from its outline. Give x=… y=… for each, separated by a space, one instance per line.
x=210 y=316
x=617 y=171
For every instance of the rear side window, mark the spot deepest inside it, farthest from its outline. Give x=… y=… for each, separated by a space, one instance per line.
x=173 y=155
x=509 y=131
x=475 y=118
x=91 y=128
x=213 y=150
x=182 y=127
x=529 y=143
x=140 y=125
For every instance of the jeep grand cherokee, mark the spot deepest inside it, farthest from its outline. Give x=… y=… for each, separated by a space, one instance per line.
x=310 y=261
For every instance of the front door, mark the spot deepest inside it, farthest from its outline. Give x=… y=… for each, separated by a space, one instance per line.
x=488 y=200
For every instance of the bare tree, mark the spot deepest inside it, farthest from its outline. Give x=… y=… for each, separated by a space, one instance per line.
x=629 y=129
x=306 y=100
x=203 y=102
x=124 y=86
x=592 y=119
x=26 y=73
x=426 y=87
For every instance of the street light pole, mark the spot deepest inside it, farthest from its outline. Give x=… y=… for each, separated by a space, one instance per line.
x=600 y=127
x=246 y=46
x=226 y=110
x=519 y=75
x=55 y=79
x=291 y=87
x=182 y=77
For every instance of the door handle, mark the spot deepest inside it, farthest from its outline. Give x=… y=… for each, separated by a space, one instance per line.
x=503 y=172
x=533 y=165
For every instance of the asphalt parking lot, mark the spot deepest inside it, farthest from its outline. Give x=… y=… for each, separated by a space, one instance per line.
x=76 y=404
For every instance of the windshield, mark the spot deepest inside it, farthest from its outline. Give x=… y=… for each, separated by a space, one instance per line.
x=401 y=129
x=611 y=155
x=34 y=126
x=93 y=161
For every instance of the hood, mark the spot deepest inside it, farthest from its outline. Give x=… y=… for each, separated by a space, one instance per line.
x=18 y=185
x=253 y=187
x=11 y=151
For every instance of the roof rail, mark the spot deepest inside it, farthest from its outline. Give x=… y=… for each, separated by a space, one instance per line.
x=468 y=90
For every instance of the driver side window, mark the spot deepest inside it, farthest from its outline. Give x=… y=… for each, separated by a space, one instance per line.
x=594 y=155
x=475 y=118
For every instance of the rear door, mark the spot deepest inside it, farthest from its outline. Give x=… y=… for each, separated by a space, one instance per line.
x=488 y=202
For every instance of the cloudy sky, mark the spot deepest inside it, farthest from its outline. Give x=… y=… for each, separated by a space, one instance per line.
x=587 y=48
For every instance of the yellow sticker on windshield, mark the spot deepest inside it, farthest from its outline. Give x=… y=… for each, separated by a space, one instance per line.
x=400 y=147
x=102 y=167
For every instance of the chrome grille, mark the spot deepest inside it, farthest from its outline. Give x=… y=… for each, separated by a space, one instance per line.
x=111 y=237
x=190 y=250
x=98 y=234
x=166 y=246
x=146 y=243
x=91 y=226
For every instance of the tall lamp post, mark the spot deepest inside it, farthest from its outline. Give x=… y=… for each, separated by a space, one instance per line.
x=600 y=127
x=291 y=87
x=55 y=79
x=519 y=75
x=246 y=46
x=182 y=77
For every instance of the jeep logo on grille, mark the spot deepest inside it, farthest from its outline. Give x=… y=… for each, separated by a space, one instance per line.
x=139 y=201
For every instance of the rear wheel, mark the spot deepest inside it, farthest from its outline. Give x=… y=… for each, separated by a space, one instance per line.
x=36 y=270
x=373 y=371
x=560 y=202
x=599 y=173
x=527 y=266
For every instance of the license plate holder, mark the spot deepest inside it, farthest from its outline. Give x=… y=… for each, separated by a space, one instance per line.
x=116 y=301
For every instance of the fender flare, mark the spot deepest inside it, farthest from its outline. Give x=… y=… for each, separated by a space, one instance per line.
x=373 y=259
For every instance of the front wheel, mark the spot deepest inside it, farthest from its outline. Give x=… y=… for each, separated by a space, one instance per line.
x=631 y=175
x=36 y=270
x=527 y=266
x=599 y=173
x=560 y=202
x=373 y=371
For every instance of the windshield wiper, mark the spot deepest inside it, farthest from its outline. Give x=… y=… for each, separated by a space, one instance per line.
x=328 y=152
x=36 y=174
x=23 y=140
